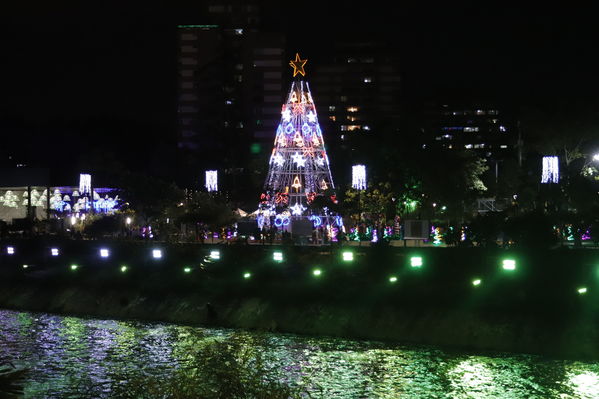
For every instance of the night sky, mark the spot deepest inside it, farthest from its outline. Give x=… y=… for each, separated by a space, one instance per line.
x=76 y=78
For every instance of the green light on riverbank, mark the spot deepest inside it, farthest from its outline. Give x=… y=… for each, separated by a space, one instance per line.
x=582 y=290
x=316 y=272
x=348 y=256
x=187 y=269
x=247 y=275
x=277 y=256
x=124 y=269
x=74 y=267
x=416 y=261
x=476 y=282
x=509 y=264
x=393 y=279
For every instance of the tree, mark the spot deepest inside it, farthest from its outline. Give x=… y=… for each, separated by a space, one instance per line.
x=206 y=208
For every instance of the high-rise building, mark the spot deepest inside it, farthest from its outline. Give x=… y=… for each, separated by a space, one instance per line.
x=357 y=87
x=229 y=95
x=483 y=129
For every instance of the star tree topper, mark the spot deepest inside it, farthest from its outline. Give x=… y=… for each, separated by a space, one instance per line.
x=298 y=65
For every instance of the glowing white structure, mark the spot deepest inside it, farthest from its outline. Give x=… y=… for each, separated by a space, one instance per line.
x=85 y=183
x=211 y=180
x=550 y=170
x=358 y=177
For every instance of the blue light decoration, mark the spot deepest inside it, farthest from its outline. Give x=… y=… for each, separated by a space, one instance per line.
x=281 y=221
x=289 y=129
x=306 y=129
x=317 y=220
x=339 y=221
x=375 y=236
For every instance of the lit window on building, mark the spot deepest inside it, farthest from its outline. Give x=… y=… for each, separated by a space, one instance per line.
x=351 y=60
x=343 y=99
x=353 y=127
x=457 y=113
x=493 y=112
x=239 y=125
x=239 y=31
x=331 y=108
x=333 y=118
x=368 y=79
x=502 y=129
x=352 y=109
x=366 y=127
x=450 y=146
x=468 y=146
x=471 y=129
x=480 y=112
x=343 y=137
x=351 y=118
x=503 y=146
x=479 y=146
x=228 y=102
x=447 y=137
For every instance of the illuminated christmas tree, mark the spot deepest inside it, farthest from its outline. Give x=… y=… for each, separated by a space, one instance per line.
x=299 y=171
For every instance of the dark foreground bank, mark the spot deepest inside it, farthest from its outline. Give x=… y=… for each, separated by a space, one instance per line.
x=544 y=302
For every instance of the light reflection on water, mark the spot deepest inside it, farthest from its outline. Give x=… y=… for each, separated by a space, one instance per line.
x=74 y=357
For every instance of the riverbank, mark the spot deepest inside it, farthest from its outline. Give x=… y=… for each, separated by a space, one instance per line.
x=544 y=302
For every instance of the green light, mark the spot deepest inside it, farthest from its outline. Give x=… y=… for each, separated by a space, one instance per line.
x=476 y=282
x=247 y=275
x=215 y=255
x=509 y=264
x=582 y=290
x=74 y=267
x=416 y=261
x=255 y=148
x=316 y=272
x=348 y=256
x=277 y=256
x=187 y=269
x=123 y=269
x=393 y=279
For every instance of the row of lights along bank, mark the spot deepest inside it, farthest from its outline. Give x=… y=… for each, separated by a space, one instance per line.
x=278 y=256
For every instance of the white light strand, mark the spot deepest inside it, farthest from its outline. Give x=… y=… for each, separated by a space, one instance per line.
x=85 y=183
x=550 y=170
x=358 y=178
x=211 y=180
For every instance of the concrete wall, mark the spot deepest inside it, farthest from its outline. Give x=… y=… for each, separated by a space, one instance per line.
x=536 y=308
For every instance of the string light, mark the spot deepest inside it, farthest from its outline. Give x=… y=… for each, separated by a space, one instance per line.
x=550 y=170
x=211 y=180
x=358 y=177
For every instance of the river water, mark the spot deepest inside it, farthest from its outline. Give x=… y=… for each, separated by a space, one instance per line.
x=70 y=357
